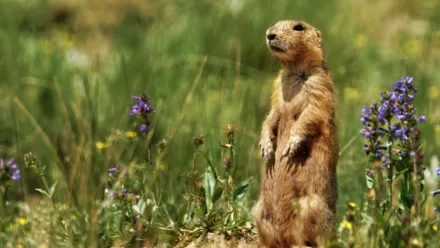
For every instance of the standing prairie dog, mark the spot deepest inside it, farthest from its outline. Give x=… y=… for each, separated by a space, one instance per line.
x=299 y=144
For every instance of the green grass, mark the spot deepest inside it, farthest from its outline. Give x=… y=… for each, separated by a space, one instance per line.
x=205 y=65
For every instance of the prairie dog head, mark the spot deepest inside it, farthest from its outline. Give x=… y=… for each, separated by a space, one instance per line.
x=295 y=42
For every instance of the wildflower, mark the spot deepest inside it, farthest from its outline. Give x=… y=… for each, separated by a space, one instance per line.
x=21 y=221
x=352 y=204
x=366 y=134
x=114 y=169
x=143 y=128
x=100 y=145
x=198 y=140
x=434 y=228
x=421 y=119
x=435 y=192
x=112 y=195
x=9 y=170
x=115 y=194
x=345 y=225
x=142 y=108
x=438 y=171
x=130 y=134
x=19 y=246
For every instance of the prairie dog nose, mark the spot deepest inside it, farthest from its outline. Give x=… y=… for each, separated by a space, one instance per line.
x=271 y=36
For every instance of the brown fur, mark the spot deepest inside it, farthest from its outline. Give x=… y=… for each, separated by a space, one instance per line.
x=299 y=143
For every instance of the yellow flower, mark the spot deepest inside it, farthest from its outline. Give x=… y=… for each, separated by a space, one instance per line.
x=413 y=46
x=345 y=224
x=434 y=227
x=21 y=221
x=351 y=93
x=433 y=92
x=19 y=246
x=360 y=41
x=352 y=204
x=130 y=134
x=101 y=145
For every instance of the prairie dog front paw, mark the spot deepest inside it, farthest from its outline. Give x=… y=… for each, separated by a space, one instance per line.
x=266 y=148
x=292 y=145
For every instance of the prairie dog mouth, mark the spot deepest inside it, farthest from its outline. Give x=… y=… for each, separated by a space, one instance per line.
x=275 y=48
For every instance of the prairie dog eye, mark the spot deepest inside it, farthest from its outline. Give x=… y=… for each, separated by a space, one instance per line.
x=298 y=27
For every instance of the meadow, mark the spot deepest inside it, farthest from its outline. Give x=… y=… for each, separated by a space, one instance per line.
x=89 y=176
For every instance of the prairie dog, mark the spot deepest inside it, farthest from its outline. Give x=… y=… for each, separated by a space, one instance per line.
x=299 y=143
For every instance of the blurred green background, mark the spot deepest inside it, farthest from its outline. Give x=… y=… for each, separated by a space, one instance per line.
x=68 y=70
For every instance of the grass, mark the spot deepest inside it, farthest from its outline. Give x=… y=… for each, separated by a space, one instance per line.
x=68 y=77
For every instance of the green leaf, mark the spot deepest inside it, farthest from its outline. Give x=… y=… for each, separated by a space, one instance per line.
x=210 y=164
x=240 y=191
x=395 y=157
x=209 y=183
x=217 y=194
x=43 y=192
x=52 y=189
x=370 y=181
x=209 y=186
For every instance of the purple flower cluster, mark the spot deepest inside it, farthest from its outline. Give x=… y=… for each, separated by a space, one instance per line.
x=142 y=108
x=393 y=120
x=9 y=170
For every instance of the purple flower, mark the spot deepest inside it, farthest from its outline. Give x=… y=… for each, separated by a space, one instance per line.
x=367 y=149
x=112 y=195
x=401 y=117
x=393 y=96
x=363 y=121
x=438 y=171
x=410 y=97
x=142 y=108
x=435 y=192
x=385 y=163
x=16 y=176
x=401 y=98
x=10 y=169
x=379 y=154
x=421 y=119
x=134 y=110
x=400 y=132
x=114 y=169
x=366 y=112
x=143 y=128
x=366 y=134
